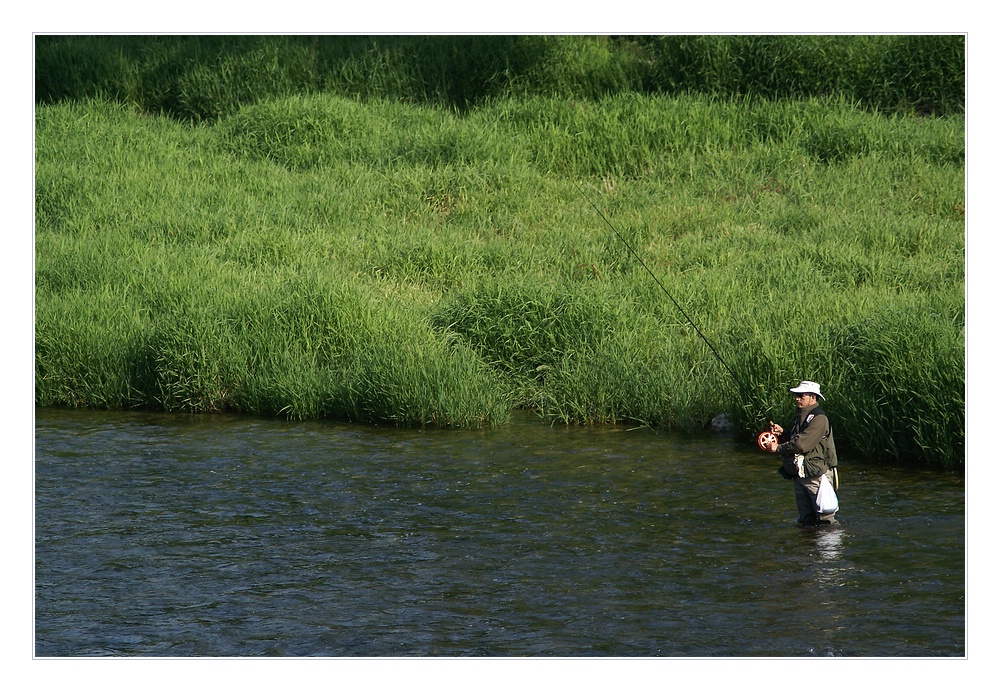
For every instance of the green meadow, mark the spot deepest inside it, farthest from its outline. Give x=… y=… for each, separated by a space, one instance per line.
x=397 y=230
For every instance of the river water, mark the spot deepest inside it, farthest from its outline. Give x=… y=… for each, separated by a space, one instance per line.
x=175 y=536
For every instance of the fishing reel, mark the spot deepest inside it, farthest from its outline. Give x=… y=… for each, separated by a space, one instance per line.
x=765 y=439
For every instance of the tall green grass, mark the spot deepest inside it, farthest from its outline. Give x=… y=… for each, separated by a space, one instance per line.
x=202 y=77
x=315 y=256
x=266 y=343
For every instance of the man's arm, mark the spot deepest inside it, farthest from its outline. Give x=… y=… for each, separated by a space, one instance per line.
x=808 y=438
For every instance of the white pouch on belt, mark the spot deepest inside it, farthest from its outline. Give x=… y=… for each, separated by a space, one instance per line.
x=826 y=497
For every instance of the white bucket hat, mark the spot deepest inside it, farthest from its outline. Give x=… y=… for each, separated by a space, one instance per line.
x=807 y=387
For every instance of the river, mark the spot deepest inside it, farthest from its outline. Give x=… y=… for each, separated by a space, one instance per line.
x=224 y=536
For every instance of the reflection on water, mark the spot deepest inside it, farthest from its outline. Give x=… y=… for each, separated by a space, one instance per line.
x=224 y=536
x=830 y=544
x=831 y=578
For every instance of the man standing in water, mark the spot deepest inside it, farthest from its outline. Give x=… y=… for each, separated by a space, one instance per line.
x=807 y=452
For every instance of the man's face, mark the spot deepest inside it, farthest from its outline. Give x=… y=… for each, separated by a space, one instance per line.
x=805 y=400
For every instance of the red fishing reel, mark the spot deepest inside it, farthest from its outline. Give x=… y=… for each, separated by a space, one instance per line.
x=765 y=439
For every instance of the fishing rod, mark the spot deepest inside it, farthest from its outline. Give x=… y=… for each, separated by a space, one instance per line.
x=739 y=383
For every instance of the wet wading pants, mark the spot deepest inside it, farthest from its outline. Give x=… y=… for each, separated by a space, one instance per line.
x=805 y=500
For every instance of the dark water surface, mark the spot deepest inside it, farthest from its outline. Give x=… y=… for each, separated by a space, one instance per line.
x=161 y=535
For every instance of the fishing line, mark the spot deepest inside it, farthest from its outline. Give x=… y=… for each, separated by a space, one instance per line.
x=739 y=383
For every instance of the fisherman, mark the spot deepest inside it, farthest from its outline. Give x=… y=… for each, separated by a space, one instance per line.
x=807 y=453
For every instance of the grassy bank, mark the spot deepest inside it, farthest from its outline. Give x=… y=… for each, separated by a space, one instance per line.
x=198 y=78
x=316 y=255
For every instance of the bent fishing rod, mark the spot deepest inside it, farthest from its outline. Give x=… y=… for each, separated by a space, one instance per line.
x=739 y=383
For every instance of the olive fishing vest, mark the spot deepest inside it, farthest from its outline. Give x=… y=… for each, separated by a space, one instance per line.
x=823 y=456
